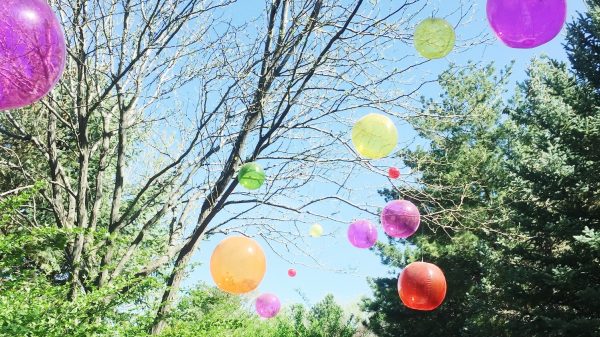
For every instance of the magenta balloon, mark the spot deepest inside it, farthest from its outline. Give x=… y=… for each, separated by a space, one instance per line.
x=362 y=234
x=267 y=305
x=526 y=23
x=32 y=52
x=400 y=218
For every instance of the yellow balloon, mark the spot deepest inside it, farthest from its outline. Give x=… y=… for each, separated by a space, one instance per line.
x=374 y=136
x=238 y=265
x=434 y=38
x=316 y=230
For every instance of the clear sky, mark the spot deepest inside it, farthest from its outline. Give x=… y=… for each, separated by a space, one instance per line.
x=345 y=269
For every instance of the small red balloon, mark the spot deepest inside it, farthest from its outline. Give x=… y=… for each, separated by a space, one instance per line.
x=394 y=173
x=292 y=273
x=422 y=286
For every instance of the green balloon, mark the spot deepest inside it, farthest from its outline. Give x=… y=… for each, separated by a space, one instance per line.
x=434 y=38
x=251 y=176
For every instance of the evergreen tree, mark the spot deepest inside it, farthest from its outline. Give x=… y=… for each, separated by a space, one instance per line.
x=530 y=207
x=461 y=174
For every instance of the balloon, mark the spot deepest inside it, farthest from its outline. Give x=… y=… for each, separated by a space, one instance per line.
x=393 y=173
x=251 y=176
x=526 y=23
x=400 y=218
x=362 y=234
x=374 y=136
x=316 y=230
x=422 y=286
x=32 y=52
x=267 y=305
x=238 y=265
x=434 y=38
x=292 y=272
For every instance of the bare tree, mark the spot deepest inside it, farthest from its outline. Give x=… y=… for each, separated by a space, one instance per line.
x=161 y=102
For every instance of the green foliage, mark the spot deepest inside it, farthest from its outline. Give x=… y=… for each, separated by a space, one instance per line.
x=210 y=312
x=34 y=293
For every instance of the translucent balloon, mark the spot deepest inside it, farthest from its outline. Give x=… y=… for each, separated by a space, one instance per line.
x=32 y=52
x=374 y=136
x=393 y=173
x=434 y=38
x=400 y=218
x=251 y=176
x=422 y=286
x=267 y=305
x=292 y=272
x=362 y=234
x=238 y=265
x=526 y=23
x=316 y=230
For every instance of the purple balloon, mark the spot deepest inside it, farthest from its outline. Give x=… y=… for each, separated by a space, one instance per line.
x=526 y=23
x=362 y=234
x=267 y=305
x=400 y=218
x=32 y=52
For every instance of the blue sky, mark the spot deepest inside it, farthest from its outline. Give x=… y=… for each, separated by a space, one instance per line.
x=345 y=269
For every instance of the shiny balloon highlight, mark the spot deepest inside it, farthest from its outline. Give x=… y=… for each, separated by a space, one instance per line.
x=32 y=52
x=374 y=136
x=422 y=286
x=316 y=231
x=526 y=23
x=400 y=218
x=393 y=173
x=267 y=305
x=251 y=176
x=362 y=234
x=434 y=38
x=238 y=265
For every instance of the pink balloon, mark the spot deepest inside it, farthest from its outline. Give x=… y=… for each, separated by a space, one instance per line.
x=267 y=305
x=400 y=218
x=292 y=272
x=362 y=234
x=32 y=52
x=394 y=173
x=526 y=23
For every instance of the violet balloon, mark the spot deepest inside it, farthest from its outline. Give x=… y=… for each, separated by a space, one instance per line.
x=267 y=305
x=400 y=218
x=362 y=234
x=32 y=52
x=526 y=23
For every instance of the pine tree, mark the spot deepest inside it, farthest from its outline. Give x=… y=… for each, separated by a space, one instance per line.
x=532 y=268
x=461 y=177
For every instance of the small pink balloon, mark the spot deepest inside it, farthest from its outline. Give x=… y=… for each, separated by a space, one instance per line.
x=394 y=173
x=32 y=52
x=526 y=23
x=400 y=218
x=292 y=272
x=267 y=305
x=362 y=234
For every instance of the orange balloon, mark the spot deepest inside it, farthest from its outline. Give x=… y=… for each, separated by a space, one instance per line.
x=238 y=265
x=422 y=286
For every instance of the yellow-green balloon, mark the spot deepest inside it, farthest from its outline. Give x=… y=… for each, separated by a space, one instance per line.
x=374 y=136
x=434 y=38
x=316 y=230
x=251 y=176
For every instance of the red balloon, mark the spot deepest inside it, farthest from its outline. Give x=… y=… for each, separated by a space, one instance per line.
x=422 y=286
x=394 y=173
x=292 y=272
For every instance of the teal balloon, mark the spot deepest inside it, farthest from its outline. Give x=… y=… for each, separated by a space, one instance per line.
x=251 y=176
